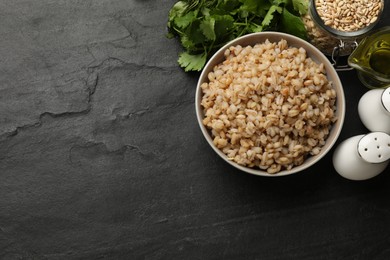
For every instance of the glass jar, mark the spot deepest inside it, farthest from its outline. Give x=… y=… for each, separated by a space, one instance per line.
x=371 y=59
x=335 y=29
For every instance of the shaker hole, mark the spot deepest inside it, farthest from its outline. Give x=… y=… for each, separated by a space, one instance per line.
x=366 y=149
x=378 y=147
x=375 y=138
x=379 y=156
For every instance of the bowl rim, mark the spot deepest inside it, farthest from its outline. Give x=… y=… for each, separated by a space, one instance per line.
x=313 y=51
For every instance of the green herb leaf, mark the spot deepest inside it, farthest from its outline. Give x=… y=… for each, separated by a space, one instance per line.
x=300 y=6
x=205 y=11
x=223 y=25
x=185 y=20
x=228 y=6
x=195 y=34
x=187 y=43
x=253 y=27
x=280 y=2
x=207 y=27
x=192 y=62
x=257 y=7
x=177 y=10
x=270 y=15
x=292 y=24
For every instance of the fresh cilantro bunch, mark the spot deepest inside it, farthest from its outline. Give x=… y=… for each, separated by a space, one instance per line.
x=203 y=26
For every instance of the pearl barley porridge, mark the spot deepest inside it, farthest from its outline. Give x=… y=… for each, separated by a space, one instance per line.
x=268 y=105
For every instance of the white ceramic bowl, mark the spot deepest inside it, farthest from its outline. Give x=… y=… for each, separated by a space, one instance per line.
x=316 y=55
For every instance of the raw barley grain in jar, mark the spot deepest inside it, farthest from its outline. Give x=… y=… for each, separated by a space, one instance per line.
x=338 y=25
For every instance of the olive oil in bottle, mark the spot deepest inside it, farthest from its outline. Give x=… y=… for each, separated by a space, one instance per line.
x=380 y=58
x=371 y=59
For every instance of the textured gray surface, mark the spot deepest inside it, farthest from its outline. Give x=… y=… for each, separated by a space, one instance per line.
x=101 y=155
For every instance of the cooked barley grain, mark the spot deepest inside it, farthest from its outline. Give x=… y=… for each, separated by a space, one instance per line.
x=268 y=106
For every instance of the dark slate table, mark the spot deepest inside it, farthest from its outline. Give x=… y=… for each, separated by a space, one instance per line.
x=101 y=155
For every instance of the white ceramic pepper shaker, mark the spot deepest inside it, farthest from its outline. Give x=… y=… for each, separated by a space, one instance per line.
x=362 y=157
x=374 y=110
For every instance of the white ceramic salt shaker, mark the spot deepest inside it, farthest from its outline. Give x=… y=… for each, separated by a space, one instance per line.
x=362 y=157
x=374 y=110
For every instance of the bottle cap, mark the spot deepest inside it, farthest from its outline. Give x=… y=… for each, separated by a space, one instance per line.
x=375 y=147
